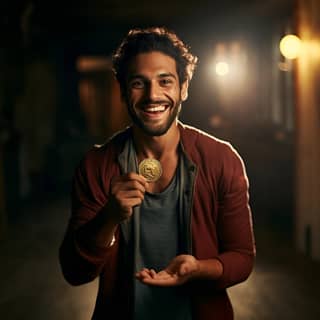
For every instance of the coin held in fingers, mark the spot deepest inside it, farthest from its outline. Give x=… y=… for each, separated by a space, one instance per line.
x=151 y=169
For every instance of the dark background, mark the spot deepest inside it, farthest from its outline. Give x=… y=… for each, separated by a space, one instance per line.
x=43 y=41
x=58 y=97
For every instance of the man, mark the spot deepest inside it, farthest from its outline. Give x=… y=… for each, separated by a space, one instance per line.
x=160 y=212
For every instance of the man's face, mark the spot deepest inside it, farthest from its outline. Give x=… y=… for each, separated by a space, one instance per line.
x=153 y=93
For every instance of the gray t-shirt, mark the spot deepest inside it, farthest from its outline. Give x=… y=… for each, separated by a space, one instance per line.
x=159 y=244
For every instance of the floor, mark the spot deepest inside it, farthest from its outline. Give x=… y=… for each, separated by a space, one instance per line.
x=284 y=285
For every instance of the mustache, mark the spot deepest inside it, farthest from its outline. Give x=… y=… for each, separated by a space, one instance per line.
x=155 y=102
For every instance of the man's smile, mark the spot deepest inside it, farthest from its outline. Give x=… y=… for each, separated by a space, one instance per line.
x=159 y=108
x=155 y=110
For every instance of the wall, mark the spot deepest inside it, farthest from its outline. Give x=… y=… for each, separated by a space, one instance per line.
x=308 y=130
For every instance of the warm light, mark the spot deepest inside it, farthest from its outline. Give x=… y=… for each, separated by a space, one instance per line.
x=222 y=68
x=290 y=46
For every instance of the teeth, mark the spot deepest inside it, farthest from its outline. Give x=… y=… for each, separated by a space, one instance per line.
x=156 y=109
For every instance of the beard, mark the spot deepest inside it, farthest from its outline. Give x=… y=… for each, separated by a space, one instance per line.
x=152 y=130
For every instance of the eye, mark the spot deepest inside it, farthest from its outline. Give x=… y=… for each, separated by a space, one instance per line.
x=137 y=84
x=165 y=82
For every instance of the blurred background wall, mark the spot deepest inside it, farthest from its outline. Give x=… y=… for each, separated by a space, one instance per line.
x=58 y=96
x=307 y=142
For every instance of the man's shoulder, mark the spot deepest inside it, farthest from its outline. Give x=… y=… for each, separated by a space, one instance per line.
x=204 y=148
x=109 y=149
x=195 y=139
x=117 y=139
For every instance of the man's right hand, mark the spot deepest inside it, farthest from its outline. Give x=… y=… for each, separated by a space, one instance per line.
x=126 y=192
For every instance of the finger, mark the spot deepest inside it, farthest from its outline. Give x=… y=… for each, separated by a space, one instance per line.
x=129 y=176
x=162 y=281
x=142 y=270
x=127 y=185
x=128 y=199
x=130 y=203
x=135 y=176
x=164 y=275
x=153 y=273
x=183 y=269
x=145 y=273
x=129 y=194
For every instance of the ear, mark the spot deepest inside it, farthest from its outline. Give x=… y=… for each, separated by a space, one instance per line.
x=184 y=90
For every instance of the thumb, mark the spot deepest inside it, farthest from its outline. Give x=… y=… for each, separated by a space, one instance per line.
x=183 y=270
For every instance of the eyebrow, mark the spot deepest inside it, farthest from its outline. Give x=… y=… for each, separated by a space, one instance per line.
x=169 y=74
x=161 y=75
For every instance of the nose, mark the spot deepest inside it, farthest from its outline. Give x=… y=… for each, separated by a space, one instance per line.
x=154 y=91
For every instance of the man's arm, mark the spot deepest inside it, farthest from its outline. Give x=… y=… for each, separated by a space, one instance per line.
x=96 y=214
x=126 y=191
x=234 y=226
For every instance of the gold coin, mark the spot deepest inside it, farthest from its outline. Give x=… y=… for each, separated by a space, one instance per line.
x=151 y=169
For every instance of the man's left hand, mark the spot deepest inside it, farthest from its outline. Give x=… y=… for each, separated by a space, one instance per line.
x=181 y=269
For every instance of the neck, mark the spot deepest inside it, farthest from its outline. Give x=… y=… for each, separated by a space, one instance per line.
x=156 y=147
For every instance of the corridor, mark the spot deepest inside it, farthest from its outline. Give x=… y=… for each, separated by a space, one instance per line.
x=284 y=285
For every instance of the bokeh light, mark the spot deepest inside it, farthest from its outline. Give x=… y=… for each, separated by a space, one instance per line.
x=222 y=68
x=290 y=46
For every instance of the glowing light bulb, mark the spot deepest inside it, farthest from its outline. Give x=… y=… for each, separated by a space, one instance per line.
x=222 y=68
x=290 y=46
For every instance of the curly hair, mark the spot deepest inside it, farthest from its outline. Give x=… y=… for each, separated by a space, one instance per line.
x=153 y=39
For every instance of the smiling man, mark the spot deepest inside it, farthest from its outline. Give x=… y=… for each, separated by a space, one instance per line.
x=154 y=95
x=160 y=212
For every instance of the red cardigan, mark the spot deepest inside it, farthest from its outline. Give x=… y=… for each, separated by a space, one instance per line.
x=221 y=227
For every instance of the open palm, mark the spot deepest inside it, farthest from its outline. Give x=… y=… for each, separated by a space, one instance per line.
x=179 y=271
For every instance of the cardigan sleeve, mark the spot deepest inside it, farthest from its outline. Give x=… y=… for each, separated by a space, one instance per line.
x=234 y=224
x=80 y=262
